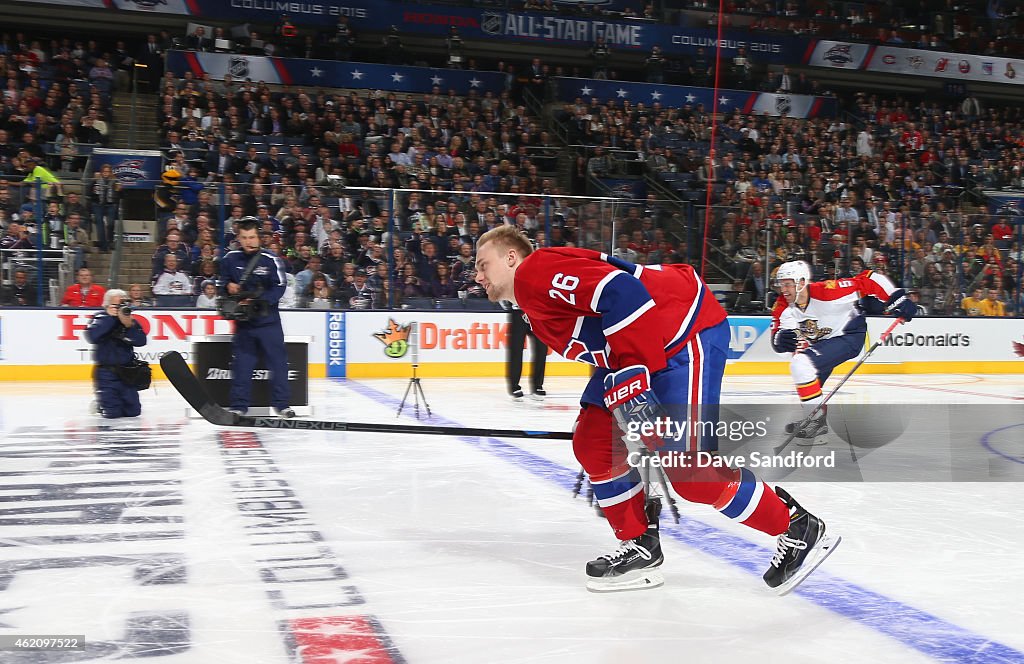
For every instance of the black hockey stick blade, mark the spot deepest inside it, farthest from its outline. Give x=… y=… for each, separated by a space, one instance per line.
x=189 y=387
x=186 y=383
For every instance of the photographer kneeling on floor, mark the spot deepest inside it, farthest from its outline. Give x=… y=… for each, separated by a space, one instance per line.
x=117 y=376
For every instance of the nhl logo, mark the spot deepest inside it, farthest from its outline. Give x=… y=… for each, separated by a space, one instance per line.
x=238 y=67
x=490 y=23
x=783 y=104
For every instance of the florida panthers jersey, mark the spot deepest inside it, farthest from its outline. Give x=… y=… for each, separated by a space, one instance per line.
x=830 y=310
x=597 y=309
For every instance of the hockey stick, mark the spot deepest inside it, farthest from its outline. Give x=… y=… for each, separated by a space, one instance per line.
x=183 y=380
x=817 y=409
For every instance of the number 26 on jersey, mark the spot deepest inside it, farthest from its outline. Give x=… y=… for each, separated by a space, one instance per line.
x=562 y=287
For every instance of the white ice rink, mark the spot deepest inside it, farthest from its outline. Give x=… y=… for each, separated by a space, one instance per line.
x=169 y=539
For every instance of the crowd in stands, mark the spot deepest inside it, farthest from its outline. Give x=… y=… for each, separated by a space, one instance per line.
x=893 y=190
x=55 y=109
x=964 y=26
x=285 y=155
x=56 y=100
x=897 y=188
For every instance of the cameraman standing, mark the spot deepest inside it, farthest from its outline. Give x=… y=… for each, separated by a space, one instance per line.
x=114 y=335
x=255 y=281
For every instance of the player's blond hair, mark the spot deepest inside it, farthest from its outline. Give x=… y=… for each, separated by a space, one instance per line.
x=505 y=238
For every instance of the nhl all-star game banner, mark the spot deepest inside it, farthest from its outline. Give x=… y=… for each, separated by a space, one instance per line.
x=189 y=6
x=134 y=169
x=745 y=101
x=332 y=73
x=476 y=24
x=916 y=62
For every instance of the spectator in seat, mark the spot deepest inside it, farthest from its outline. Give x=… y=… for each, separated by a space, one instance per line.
x=137 y=298
x=304 y=277
x=102 y=76
x=442 y=286
x=172 y=281
x=20 y=293
x=16 y=237
x=992 y=305
x=84 y=293
x=208 y=295
x=971 y=306
x=173 y=246
x=319 y=294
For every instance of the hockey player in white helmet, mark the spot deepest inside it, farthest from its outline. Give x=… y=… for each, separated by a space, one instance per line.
x=820 y=325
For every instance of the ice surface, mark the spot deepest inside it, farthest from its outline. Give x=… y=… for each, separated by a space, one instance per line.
x=165 y=537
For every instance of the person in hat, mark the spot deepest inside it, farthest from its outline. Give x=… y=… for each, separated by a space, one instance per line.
x=357 y=295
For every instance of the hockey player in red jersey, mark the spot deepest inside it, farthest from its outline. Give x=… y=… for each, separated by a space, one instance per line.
x=821 y=325
x=658 y=339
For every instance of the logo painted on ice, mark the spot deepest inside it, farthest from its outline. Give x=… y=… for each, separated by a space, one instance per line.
x=395 y=339
x=743 y=332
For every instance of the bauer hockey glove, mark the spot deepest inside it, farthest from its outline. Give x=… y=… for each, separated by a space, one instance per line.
x=901 y=305
x=785 y=341
x=628 y=395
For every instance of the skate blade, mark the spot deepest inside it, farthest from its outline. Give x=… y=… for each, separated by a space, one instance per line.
x=820 y=439
x=640 y=580
x=822 y=550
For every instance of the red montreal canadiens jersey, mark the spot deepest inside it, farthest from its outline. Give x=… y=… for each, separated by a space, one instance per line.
x=830 y=312
x=597 y=309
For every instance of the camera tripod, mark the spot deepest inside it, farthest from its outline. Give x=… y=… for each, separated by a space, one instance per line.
x=416 y=388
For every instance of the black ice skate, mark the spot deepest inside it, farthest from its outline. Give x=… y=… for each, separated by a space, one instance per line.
x=800 y=549
x=635 y=565
x=813 y=432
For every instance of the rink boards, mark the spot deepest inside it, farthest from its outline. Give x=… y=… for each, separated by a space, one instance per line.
x=49 y=344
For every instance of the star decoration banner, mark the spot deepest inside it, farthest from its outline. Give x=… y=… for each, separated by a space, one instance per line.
x=333 y=74
x=677 y=96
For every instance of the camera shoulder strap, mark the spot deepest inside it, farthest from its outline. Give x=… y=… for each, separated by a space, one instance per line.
x=250 y=267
